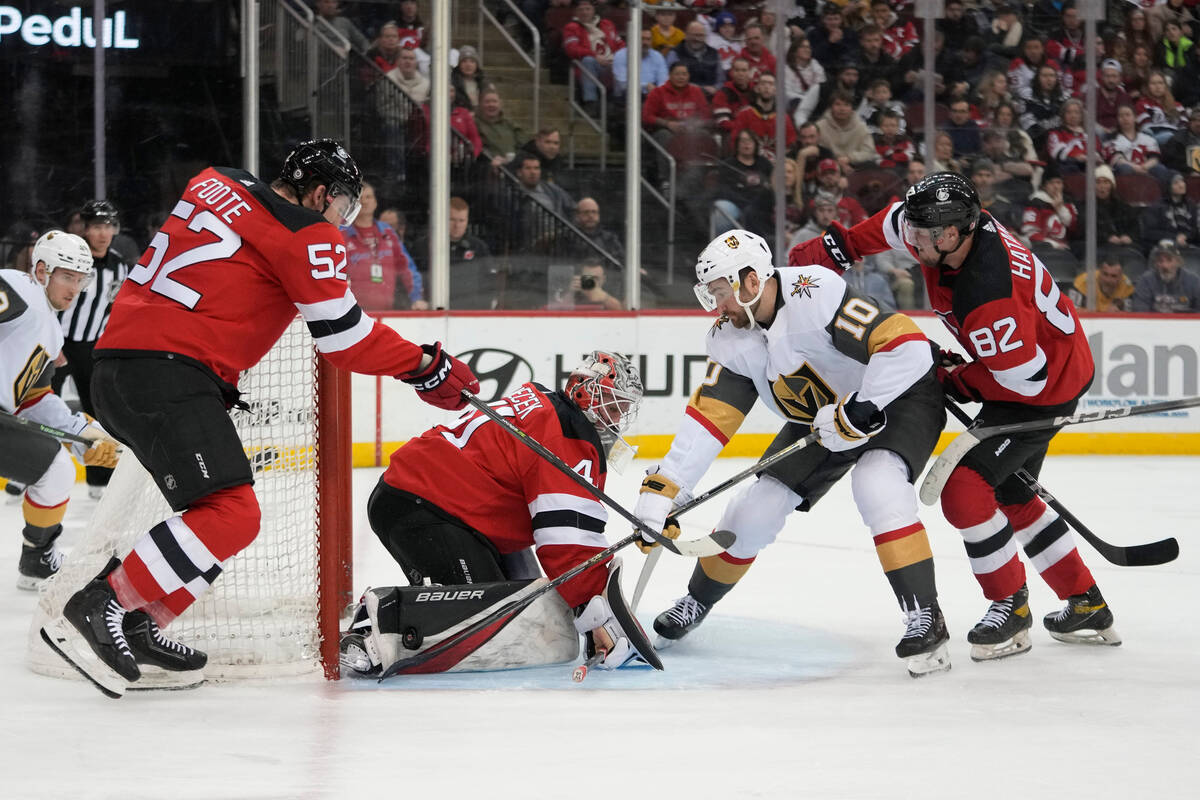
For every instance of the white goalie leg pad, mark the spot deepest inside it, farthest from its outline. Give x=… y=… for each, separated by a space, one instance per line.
x=757 y=515
x=542 y=633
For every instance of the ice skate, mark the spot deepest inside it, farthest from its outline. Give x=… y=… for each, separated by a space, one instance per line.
x=90 y=636
x=1087 y=619
x=679 y=620
x=924 y=644
x=151 y=648
x=38 y=563
x=354 y=654
x=1004 y=629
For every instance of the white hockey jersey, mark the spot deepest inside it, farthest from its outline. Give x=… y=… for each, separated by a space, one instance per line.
x=825 y=342
x=31 y=339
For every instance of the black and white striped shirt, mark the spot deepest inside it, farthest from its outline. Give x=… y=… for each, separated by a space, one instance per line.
x=84 y=321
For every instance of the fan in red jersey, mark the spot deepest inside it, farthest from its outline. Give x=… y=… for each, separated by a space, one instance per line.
x=1029 y=360
x=219 y=284
x=468 y=506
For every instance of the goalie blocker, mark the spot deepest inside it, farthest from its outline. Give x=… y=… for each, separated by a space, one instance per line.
x=396 y=622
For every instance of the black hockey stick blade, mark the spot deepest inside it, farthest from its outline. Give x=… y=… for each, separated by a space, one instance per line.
x=939 y=473
x=709 y=545
x=28 y=424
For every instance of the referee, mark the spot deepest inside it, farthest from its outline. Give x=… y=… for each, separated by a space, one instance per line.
x=83 y=322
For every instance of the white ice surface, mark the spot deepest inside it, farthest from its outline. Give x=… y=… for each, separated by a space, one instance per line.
x=791 y=689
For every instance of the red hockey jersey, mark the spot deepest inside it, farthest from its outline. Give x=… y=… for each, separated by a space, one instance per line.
x=224 y=276
x=482 y=475
x=1002 y=305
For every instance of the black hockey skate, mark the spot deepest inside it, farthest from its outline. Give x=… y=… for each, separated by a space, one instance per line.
x=151 y=648
x=90 y=636
x=679 y=620
x=38 y=562
x=924 y=644
x=1004 y=629
x=1087 y=619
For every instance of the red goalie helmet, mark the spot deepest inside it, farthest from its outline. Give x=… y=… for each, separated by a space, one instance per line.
x=607 y=388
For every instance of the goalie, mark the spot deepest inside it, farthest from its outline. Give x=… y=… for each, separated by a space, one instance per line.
x=32 y=339
x=460 y=508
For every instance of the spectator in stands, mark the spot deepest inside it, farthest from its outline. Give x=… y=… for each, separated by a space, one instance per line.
x=588 y=285
x=1024 y=68
x=406 y=75
x=1067 y=144
x=467 y=145
x=869 y=283
x=1186 y=85
x=1113 y=287
x=1136 y=30
x=385 y=53
x=703 y=62
x=1158 y=112
x=1003 y=37
x=1049 y=219
x=810 y=154
x=878 y=101
x=943 y=154
x=1174 y=219
x=1011 y=149
x=735 y=95
x=832 y=184
x=845 y=79
x=955 y=25
x=1065 y=44
x=1117 y=223
x=965 y=132
x=803 y=76
x=467 y=77
x=331 y=12
x=587 y=219
x=1182 y=151
x=654 y=68
x=983 y=175
x=844 y=132
x=1167 y=288
x=1136 y=70
x=832 y=41
x=724 y=38
x=761 y=59
x=822 y=213
x=545 y=146
x=394 y=218
x=971 y=67
x=1041 y=104
x=470 y=288
x=1171 y=52
x=759 y=117
x=380 y=269
x=501 y=136
x=549 y=195
x=664 y=36
x=949 y=81
x=1130 y=151
x=893 y=148
x=991 y=92
x=591 y=40
x=1110 y=95
x=16 y=249
x=677 y=107
x=899 y=36
x=738 y=183
x=874 y=62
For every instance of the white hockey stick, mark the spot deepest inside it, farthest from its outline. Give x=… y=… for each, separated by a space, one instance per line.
x=939 y=473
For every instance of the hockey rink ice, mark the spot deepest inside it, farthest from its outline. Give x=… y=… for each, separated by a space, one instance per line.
x=790 y=689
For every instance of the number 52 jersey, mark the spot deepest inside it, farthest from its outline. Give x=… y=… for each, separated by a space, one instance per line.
x=225 y=275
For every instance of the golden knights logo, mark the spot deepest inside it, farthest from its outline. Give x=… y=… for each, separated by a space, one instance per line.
x=804 y=285
x=716 y=326
x=800 y=394
x=27 y=378
x=732 y=242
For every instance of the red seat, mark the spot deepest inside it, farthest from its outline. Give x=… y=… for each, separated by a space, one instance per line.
x=1075 y=185
x=914 y=116
x=1138 y=190
x=688 y=148
x=1193 y=188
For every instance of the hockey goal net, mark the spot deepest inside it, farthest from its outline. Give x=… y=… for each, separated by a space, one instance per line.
x=275 y=609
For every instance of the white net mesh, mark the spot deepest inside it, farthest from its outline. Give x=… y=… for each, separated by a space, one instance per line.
x=260 y=617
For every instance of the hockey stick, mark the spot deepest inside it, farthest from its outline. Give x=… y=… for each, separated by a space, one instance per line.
x=1138 y=555
x=709 y=545
x=939 y=473
x=757 y=467
x=38 y=427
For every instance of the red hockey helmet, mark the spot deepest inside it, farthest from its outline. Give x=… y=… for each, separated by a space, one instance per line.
x=607 y=388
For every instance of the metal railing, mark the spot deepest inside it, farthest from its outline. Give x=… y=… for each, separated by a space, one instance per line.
x=534 y=61
x=573 y=107
x=307 y=62
x=667 y=200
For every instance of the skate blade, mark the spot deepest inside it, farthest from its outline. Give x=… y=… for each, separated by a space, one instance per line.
x=27 y=583
x=937 y=660
x=663 y=643
x=62 y=638
x=1108 y=636
x=157 y=679
x=1018 y=644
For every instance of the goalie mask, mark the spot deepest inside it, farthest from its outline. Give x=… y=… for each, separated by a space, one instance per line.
x=59 y=250
x=607 y=389
x=726 y=257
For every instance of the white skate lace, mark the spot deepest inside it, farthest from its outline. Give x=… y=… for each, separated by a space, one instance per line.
x=917 y=620
x=114 y=620
x=53 y=559
x=686 y=610
x=169 y=644
x=998 y=613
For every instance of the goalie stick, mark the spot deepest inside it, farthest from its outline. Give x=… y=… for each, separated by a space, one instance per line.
x=45 y=429
x=1138 y=555
x=759 y=466
x=939 y=473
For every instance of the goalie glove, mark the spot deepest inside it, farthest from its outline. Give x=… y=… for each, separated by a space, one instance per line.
x=670 y=530
x=442 y=381
x=605 y=621
x=655 y=501
x=848 y=424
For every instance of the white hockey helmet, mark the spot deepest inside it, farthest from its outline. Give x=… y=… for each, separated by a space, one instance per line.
x=725 y=257
x=607 y=388
x=60 y=250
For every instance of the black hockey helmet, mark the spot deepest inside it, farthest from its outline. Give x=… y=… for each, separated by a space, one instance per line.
x=941 y=200
x=99 y=212
x=324 y=161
